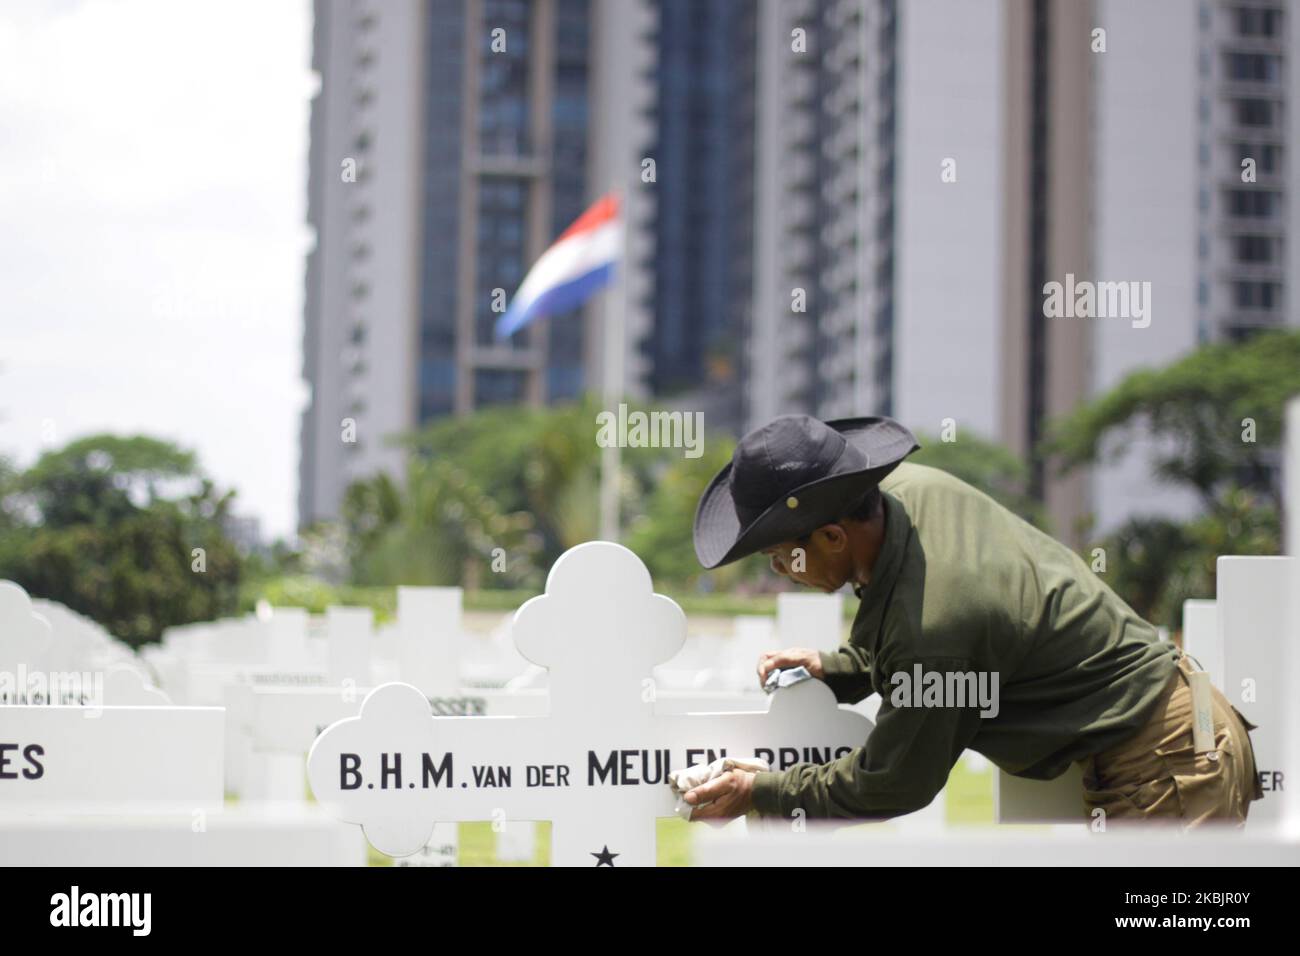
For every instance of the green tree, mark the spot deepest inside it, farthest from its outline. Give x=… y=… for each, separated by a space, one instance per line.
x=990 y=467
x=110 y=525
x=663 y=535
x=520 y=479
x=1215 y=417
x=1215 y=423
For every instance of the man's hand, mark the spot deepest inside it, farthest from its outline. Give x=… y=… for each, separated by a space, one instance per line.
x=728 y=796
x=790 y=657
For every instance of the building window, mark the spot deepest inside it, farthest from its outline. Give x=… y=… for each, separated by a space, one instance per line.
x=1267 y=156
x=1251 y=204
x=503 y=106
x=1253 y=67
x=496 y=386
x=437 y=387
x=500 y=249
x=1253 y=249
x=1251 y=112
x=1270 y=158
x=1258 y=23
x=1255 y=295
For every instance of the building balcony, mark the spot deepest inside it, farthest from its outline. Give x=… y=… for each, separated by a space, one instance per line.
x=797 y=253
x=1236 y=43
x=1253 y=89
x=505 y=357
x=1272 y=134
x=800 y=170
x=1272 y=181
x=1273 y=226
x=800 y=88
x=799 y=129
x=1253 y=318
x=513 y=166
x=798 y=212
x=1228 y=269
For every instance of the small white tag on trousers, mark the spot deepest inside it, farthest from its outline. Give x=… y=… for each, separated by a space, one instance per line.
x=1202 y=711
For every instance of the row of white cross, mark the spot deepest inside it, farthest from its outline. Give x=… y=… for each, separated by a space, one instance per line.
x=251 y=695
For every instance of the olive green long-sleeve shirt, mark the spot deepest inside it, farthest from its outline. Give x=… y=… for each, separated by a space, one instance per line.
x=962 y=585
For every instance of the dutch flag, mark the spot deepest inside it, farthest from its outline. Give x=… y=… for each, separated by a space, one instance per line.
x=576 y=265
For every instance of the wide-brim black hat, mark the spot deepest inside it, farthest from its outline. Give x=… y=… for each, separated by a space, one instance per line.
x=791 y=477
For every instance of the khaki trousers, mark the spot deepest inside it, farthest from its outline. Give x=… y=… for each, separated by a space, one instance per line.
x=1156 y=777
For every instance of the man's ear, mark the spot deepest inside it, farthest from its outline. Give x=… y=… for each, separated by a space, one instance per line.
x=834 y=537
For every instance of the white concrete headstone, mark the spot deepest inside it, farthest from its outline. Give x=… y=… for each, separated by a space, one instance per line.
x=1252 y=595
x=26 y=645
x=126 y=686
x=1037 y=847
x=232 y=837
x=288 y=649
x=350 y=636
x=428 y=623
x=110 y=759
x=1201 y=638
x=516 y=841
x=810 y=620
x=442 y=850
x=752 y=635
x=1291 y=546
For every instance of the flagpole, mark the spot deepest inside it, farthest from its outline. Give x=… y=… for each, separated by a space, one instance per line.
x=615 y=317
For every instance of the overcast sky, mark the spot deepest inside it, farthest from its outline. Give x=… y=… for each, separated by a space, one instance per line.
x=152 y=231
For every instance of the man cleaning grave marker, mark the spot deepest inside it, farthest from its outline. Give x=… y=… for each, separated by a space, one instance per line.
x=977 y=630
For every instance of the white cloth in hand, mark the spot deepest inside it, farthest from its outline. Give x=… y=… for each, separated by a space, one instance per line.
x=692 y=777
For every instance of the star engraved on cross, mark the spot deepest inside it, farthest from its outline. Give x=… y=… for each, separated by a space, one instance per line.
x=596 y=765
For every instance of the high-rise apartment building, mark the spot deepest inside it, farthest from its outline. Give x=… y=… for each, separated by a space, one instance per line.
x=999 y=146
x=1192 y=193
x=451 y=141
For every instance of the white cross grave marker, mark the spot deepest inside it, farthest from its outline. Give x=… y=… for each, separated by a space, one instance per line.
x=596 y=765
x=26 y=647
x=349 y=636
x=1252 y=611
x=126 y=686
x=1201 y=638
x=1291 y=653
x=428 y=622
x=810 y=620
x=95 y=759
